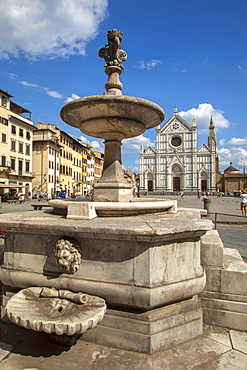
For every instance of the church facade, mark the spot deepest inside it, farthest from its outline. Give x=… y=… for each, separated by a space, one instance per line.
x=177 y=164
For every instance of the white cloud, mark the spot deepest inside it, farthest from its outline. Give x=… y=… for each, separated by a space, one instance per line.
x=53 y=94
x=95 y=144
x=29 y=84
x=10 y=75
x=224 y=152
x=72 y=97
x=133 y=144
x=48 y=29
x=148 y=65
x=237 y=141
x=84 y=139
x=233 y=152
x=203 y=114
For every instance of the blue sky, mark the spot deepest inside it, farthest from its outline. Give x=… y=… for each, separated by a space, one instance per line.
x=186 y=53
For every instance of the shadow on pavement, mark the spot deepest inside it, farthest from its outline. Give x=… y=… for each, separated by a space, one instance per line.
x=29 y=343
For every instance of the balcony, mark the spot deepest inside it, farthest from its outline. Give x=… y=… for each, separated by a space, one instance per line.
x=5 y=169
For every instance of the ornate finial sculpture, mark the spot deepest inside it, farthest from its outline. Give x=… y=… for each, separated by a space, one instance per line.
x=113 y=54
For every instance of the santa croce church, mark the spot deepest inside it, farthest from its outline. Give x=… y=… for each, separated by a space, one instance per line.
x=177 y=164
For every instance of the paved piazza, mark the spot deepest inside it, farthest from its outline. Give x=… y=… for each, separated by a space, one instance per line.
x=218 y=348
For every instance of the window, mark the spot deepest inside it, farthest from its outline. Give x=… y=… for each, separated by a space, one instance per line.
x=27 y=166
x=5 y=121
x=21 y=132
x=176 y=141
x=20 y=167
x=27 y=149
x=13 y=129
x=3 y=160
x=28 y=135
x=20 y=147
x=12 y=163
x=13 y=145
x=4 y=138
x=4 y=101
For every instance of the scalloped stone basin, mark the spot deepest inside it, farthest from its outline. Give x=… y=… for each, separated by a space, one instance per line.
x=112 y=118
x=102 y=115
x=55 y=311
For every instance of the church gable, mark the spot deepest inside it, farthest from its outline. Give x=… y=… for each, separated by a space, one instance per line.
x=175 y=124
x=203 y=148
x=149 y=150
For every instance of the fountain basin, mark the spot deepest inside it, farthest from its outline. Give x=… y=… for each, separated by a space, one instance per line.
x=55 y=311
x=104 y=116
x=140 y=262
x=89 y=210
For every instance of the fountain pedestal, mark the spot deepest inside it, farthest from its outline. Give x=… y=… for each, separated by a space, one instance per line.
x=147 y=268
x=112 y=187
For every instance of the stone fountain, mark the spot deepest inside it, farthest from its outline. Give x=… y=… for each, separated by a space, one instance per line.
x=112 y=117
x=141 y=258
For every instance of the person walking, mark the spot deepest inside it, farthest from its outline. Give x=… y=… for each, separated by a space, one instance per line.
x=243 y=204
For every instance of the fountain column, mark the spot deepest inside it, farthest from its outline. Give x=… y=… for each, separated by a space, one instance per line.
x=113 y=186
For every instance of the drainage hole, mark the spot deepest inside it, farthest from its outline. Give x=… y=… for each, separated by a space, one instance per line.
x=60 y=309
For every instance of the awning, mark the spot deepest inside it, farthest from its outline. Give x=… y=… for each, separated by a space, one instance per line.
x=11 y=186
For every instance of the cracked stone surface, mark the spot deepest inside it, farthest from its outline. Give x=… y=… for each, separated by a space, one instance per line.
x=239 y=340
x=217 y=349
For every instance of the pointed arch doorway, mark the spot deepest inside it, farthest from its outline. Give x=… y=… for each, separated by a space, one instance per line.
x=150 y=181
x=203 y=185
x=176 y=177
x=204 y=181
x=150 y=185
x=176 y=183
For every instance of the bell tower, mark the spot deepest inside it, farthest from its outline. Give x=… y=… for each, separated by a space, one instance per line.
x=212 y=137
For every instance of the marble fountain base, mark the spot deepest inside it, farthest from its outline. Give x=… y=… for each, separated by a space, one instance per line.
x=147 y=269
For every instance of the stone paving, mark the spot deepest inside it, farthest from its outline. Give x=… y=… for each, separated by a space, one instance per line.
x=218 y=348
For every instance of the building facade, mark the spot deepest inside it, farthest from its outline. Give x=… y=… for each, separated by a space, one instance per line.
x=16 y=132
x=98 y=165
x=46 y=161
x=59 y=162
x=232 y=181
x=90 y=171
x=177 y=164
